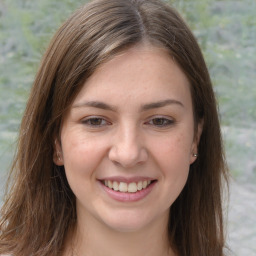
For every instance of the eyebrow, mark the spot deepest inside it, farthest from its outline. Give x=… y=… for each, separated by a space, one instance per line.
x=95 y=104
x=153 y=105
x=160 y=104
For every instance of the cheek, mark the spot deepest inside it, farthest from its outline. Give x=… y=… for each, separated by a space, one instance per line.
x=81 y=160
x=81 y=157
x=172 y=157
x=175 y=163
x=174 y=150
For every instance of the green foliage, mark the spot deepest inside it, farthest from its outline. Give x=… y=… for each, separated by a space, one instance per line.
x=25 y=30
x=226 y=33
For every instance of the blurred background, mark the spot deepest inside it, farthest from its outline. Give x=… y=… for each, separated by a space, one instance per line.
x=226 y=32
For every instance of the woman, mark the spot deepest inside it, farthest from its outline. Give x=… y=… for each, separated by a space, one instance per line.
x=120 y=149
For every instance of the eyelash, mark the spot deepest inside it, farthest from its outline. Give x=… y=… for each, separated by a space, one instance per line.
x=100 y=122
x=165 y=122
x=89 y=122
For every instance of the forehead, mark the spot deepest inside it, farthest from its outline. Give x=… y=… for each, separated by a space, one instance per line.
x=141 y=73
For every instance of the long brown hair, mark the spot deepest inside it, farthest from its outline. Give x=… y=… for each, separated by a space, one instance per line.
x=40 y=207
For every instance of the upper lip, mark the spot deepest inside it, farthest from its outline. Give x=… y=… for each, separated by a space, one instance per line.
x=127 y=179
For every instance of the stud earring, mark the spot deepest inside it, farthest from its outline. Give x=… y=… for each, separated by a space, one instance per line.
x=195 y=155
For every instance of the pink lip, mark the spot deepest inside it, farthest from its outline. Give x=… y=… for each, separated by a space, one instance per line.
x=126 y=196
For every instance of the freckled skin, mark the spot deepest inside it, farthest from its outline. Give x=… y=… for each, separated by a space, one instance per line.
x=128 y=144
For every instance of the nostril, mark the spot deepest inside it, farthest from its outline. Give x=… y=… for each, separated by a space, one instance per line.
x=128 y=157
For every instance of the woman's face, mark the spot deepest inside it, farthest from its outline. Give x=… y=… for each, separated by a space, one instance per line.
x=128 y=140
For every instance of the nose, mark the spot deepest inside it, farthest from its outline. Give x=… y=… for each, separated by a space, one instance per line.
x=127 y=148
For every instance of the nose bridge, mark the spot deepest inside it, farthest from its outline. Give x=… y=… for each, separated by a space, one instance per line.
x=127 y=146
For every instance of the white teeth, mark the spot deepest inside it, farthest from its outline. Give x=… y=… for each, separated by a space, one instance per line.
x=110 y=184
x=125 y=187
x=115 y=186
x=132 y=187
x=139 y=185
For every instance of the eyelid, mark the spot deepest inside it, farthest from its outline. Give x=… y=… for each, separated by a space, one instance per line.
x=86 y=121
x=170 y=121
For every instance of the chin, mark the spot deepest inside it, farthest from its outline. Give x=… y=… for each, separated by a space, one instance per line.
x=127 y=227
x=130 y=221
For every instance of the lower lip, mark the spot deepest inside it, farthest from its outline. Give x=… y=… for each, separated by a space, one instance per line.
x=126 y=196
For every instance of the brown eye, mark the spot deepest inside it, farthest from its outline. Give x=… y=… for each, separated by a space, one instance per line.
x=95 y=122
x=161 y=122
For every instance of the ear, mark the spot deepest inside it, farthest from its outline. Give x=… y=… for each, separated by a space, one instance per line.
x=57 y=154
x=197 y=136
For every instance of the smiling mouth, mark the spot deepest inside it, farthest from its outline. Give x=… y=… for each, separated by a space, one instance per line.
x=131 y=187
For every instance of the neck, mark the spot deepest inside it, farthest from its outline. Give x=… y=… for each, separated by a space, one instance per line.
x=92 y=237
